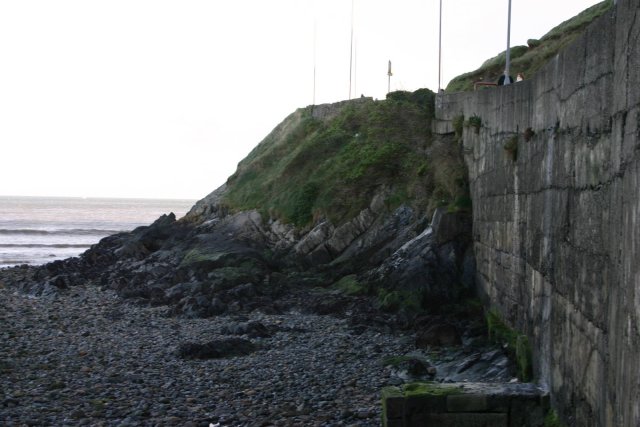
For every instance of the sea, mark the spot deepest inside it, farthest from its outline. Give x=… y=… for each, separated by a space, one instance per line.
x=38 y=230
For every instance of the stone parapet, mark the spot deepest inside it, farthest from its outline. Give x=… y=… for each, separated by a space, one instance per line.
x=554 y=172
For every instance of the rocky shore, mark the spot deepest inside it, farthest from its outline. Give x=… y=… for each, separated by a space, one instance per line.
x=230 y=319
x=87 y=357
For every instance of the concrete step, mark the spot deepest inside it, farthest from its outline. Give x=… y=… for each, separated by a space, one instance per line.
x=465 y=405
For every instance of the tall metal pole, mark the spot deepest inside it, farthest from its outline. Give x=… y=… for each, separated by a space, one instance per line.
x=389 y=74
x=440 y=50
x=355 y=66
x=351 y=51
x=507 y=79
x=314 y=59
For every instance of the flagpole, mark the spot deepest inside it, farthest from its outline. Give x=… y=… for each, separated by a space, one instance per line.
x=314 y=59
x=351 y=51
x=389 y=74
x=355 y=66
x=440 y=50
x=507 y=79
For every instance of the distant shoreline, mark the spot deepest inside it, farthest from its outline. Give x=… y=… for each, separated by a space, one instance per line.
x=100 y=198
x=36 y=230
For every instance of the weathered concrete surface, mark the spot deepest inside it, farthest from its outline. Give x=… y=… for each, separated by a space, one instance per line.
x=465 y=405
x=556 y=232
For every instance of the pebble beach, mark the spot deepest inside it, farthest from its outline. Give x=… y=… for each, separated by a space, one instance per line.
x=87 y=357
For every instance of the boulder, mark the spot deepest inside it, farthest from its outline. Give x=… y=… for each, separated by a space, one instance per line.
x=438 y=334
x=253 y=329
x=217 y=307
x=217 y=349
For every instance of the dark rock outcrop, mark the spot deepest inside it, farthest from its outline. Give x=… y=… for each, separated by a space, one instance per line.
x=217 y=349
x=438 y=334
x=213 y=262
x=430 y=269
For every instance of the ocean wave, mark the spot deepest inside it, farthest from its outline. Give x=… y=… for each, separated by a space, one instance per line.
x=71 y=232
x=42 y=245
x=12 y=262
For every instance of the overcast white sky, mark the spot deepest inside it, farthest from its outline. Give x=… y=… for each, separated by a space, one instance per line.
x=153 y=98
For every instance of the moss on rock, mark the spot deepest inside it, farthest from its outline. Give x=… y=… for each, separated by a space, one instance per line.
x=350 y=285
x=199 y=255
x=405 y=300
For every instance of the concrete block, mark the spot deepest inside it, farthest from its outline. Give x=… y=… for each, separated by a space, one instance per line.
x=460 y=420
x=497 y=403
x=394 y=407
x=393 y=402
x=467 y=403
x=425 y=404
x=526 y=413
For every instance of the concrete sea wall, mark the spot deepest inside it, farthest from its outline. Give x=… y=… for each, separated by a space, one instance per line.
x=556 y=228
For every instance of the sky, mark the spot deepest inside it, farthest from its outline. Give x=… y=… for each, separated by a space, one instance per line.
x=162 y=99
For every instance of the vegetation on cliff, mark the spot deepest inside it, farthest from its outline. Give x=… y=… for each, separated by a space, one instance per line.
x=312 y=167
x=529 y=59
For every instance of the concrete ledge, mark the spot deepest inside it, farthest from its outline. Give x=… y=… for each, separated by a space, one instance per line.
x=464 y=404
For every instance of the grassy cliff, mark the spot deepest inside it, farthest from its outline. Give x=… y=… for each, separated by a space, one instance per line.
x=529 y=59
x=314 y=166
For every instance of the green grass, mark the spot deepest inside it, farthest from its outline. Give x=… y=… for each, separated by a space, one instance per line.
x=511 y=147
x=304 y=201
x=308 y=169
x=460 y=204
x=529 y=59
x=349 y=285
x=517 y=344
x=392 y=301
x=552 y=419
x=475 y=122
x=458 y=125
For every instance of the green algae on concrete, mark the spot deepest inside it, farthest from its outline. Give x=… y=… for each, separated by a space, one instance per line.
x=392 y=403
x=430 y=389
